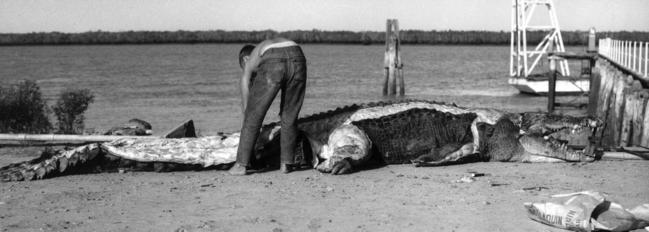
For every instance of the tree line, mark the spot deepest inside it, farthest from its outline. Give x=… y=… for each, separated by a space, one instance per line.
x=24 y=110
x=447 y=37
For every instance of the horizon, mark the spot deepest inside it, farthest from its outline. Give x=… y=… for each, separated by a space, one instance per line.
x=380 y=31
x=78 y=16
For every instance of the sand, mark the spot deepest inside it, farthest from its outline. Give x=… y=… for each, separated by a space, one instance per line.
x=390 y=198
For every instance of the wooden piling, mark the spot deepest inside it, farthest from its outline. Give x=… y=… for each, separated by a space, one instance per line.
x=606 y=97
x=552 y=83
x=393 y=67
x=617 y=107
x=645 y=130
x=638 y=114
x=626 y=131
x=592 y=48
x=604 y=90
x=594 y=90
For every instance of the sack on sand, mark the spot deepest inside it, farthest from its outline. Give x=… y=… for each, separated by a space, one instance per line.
x=587 y=211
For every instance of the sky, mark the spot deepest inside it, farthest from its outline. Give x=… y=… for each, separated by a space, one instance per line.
x=21 y=16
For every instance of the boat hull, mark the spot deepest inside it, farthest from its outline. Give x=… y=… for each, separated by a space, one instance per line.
x=539 y=86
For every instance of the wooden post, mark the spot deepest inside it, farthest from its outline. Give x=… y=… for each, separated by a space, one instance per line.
x=594 y=81
x=392 y=60
x=399 y=64
x=593 y=92
x=638 y=114
x=386 y=59
x=591 y=41
x=644 y=141
x=552 y=82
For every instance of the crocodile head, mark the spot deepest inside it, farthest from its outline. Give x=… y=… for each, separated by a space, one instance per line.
x=346 y=147
x=505 y=144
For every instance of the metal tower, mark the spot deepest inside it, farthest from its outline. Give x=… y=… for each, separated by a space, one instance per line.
x=522 y=12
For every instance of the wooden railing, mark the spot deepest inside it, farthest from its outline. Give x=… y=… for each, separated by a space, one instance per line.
x=632 y=55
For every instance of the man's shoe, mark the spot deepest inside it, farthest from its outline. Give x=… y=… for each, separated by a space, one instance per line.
x=285 y=168
x=238 y=170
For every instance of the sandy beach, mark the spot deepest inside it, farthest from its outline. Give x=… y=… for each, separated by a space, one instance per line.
x=390 y=198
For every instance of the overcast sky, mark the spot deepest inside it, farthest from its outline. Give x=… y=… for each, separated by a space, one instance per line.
x=281 y=15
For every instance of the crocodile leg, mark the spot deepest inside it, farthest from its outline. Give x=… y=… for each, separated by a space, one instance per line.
x=464 y=151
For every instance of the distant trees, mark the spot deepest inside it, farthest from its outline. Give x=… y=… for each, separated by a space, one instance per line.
x=69 y=109
x=447 y=37
x=23 y=110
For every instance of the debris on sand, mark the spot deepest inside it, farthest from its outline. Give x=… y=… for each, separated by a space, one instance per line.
x=477 y=174
x=470 y=177
x=465 y=179
x=535 y=188
x=496 y=184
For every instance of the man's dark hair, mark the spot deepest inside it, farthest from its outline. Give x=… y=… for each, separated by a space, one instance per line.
x=245 y=51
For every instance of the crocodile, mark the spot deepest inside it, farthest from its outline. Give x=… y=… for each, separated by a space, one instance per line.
x=343 y=140
x=429 y=133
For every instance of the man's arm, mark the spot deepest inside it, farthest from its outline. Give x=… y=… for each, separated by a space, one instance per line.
x=248 y=69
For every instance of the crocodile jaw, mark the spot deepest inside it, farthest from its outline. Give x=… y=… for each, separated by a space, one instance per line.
x=551 y=148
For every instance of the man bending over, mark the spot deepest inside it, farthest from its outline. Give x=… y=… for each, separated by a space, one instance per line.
x=268 y=67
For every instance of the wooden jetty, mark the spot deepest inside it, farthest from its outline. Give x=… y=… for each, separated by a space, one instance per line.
x=623 y=94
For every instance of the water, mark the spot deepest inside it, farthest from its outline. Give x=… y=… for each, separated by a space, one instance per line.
x=167 y=84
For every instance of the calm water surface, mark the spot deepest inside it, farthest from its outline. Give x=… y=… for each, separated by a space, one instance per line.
x=167 y=84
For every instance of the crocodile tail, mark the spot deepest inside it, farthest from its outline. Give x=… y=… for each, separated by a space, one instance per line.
x=49 y=163
x=89 y=158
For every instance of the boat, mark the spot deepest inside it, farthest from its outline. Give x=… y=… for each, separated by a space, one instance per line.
x=538 y=84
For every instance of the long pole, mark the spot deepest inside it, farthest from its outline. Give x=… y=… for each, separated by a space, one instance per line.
x=552 y=83
x=59 y=137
